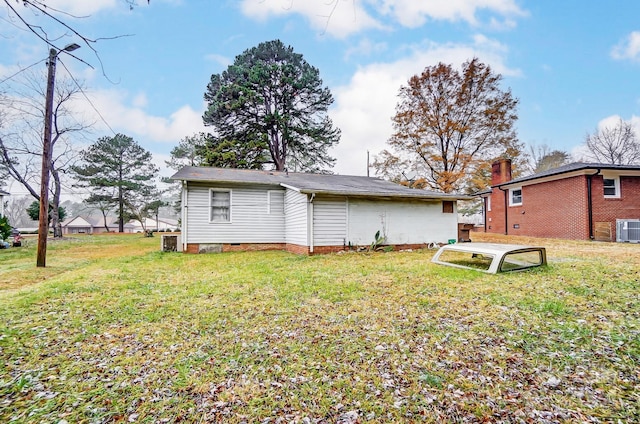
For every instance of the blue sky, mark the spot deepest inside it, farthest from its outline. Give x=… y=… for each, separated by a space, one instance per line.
x=574 y=65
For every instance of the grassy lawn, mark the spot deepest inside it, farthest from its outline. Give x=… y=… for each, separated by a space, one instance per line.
x=113 y=330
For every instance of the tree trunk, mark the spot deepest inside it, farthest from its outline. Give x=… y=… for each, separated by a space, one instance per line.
x=56 y=225
x=104 y=217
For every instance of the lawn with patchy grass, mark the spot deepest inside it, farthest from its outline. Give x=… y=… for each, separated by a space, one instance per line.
x=113 y=330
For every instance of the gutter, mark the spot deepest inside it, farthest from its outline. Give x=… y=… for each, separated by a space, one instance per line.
x=590 y=203
x=506 y=211
x=382 y=195
x=311 y=241
x=486 y=211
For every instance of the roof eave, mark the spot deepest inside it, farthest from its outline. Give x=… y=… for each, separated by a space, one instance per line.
x=416 y=196
x=585 y=169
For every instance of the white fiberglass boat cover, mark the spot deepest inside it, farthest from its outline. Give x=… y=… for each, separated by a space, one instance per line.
x=491 y=257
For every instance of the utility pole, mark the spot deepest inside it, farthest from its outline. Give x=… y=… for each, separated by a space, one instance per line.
x=368 y=166
x=43 y=224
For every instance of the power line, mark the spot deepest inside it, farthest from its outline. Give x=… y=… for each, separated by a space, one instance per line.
x=22 y=70
x=87 y=98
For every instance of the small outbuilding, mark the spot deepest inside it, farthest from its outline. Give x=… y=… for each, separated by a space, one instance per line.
x=236 y=209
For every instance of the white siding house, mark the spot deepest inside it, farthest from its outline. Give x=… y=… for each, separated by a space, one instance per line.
x=232 y=209
x=2 y=196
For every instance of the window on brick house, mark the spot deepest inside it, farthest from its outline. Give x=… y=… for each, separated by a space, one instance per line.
x=611 y=187
x=220 y=205
x=515 y=197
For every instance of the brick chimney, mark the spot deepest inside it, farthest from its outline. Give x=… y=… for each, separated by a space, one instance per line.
x=500 y=171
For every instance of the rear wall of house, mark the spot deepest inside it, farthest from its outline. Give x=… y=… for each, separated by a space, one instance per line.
x=251 y=219
x=296 y=223
x=330 y=221
x=607 y=210
x=403 y=223
x=555 y=209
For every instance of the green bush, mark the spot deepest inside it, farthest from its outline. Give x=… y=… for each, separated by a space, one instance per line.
x=5 y=228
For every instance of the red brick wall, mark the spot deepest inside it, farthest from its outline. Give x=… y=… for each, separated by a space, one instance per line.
x=608 y=209
x=293 y=248
x=495 y=217
x=250 y=247
x=298 y=249
x=555 y=209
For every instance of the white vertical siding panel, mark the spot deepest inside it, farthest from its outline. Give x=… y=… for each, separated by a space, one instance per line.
x=296 y=222
x=250 y=220
x=408 y=222
x=330 y=221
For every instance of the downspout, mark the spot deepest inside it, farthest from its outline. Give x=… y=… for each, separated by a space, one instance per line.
x=185 y=208
x=313 y=195
x=506 y=210
x=484 y=217
x=590 y=203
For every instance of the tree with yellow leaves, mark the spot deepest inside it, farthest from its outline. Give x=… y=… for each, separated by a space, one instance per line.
x=448 y=126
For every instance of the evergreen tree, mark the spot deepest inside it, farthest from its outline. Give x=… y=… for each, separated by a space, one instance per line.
x=34 y=211
x=269 y=107
x=120 y=168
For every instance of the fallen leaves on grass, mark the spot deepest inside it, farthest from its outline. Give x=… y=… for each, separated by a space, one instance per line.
x=276 y=338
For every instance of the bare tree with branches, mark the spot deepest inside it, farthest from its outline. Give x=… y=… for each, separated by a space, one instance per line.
x=21 y=136
x=617 y=145
x=16 y=210
x=53 y=26
x=542 y=158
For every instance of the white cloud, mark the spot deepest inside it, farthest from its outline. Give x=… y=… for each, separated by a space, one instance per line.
x=128 y=115
x=140 y=101
x=613 y=120
x=341 y=18
x=365 y=48
x=582 y=153
x=629 y=48
x=218 y=59
x=81 y=7
x=335 y=17
x=364 y=108
x=412 y=13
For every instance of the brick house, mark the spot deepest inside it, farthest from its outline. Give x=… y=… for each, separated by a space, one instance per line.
x=579 y=201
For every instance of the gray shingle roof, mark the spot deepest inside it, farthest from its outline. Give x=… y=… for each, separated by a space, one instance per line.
x=330 y=184
x=572 y=167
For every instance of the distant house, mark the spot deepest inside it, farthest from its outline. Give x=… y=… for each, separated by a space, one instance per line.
x=162 y=224
x=93 y=225
x=77 y=225
x=579 y=201
x=3 y=194
x=232 y=209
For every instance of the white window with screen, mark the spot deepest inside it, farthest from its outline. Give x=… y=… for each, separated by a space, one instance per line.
x=515 y=196
x=611 y=186
x=220 y=201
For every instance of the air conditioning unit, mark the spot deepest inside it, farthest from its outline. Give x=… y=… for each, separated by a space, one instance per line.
x=628 y=230
x=171 y=243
